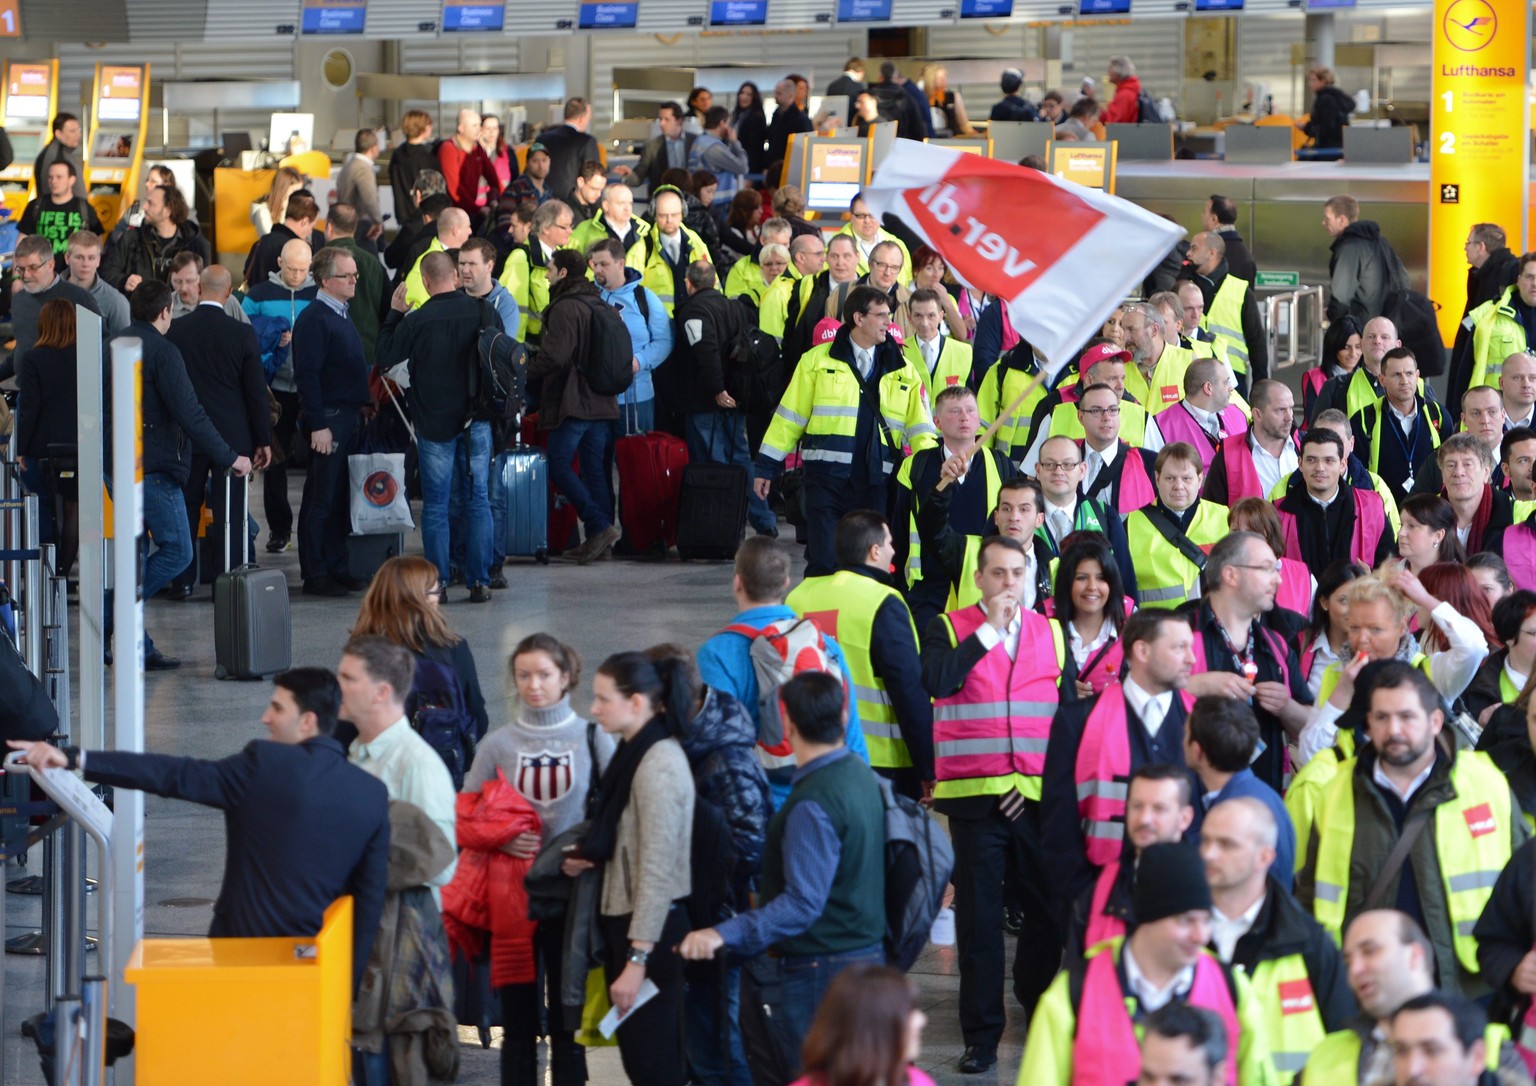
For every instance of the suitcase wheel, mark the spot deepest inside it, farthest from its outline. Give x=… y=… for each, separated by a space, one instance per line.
x=541 y=556
x=220 y=673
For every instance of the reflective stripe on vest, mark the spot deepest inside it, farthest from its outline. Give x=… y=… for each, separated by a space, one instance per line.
x=990 y=735
x=1103 y=773
x=1293 y=1023
x=1107 y=1049
x=998 y=389
x=1224 y=317
x=1471 y=842
x=1164 y=577
x=843 y=606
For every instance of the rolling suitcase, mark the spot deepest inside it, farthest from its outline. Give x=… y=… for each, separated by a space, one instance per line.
x=650 y=488
x=712 y=514
x=523 y=473
x=561 y=514
x=252 y=626
x=366 y=553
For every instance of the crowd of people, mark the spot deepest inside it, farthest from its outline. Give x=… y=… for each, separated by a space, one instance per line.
x=1226 y=704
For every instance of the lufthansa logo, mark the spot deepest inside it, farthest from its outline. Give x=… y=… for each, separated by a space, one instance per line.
x=1470 y=25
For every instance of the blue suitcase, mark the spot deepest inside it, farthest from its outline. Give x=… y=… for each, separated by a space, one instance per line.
x=522 y=474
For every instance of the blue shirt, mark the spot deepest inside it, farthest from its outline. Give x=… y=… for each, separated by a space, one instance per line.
x=811 y=854
x=725 y=663
x=1245 y=784
x=500 y=299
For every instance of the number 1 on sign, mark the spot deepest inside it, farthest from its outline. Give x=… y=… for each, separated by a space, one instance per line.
x=1450 y=99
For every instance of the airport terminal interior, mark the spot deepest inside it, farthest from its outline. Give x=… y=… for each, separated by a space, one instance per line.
x=222 y=93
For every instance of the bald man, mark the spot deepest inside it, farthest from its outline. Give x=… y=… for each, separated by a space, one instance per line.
x=1230 y=310
x=224 y=365
x=453 y=230
x=464 y=164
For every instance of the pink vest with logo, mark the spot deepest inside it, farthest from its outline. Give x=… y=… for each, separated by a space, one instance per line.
x=1295 y=586
x=999 y=722
x=1177 y=424
x=1370 y=522
x=1106 y=1049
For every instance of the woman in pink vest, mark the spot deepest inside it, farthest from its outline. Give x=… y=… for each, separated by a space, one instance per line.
x=1296 y=583
x=1326 y=638
x=1341 y=354
x=867 y=1029
x=1091 y=606
x=1428 y=533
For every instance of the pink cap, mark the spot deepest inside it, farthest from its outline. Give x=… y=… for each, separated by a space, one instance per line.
x=825 y=331
x=894 y=331
x=1102 y=352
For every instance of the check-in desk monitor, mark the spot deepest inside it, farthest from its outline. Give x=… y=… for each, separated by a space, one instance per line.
x=836 y=170
x=115 y=144
x=975 y=145
x=28 y=101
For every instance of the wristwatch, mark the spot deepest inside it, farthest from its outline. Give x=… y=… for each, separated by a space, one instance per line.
x=639 y=957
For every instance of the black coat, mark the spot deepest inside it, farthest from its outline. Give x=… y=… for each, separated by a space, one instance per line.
x=302 y=828
x=441 y=341
x=223 y=363
x=405 y=162
x=653 y=159
x=1283 y=928
x=709 y=324
x=752 y=133
x=47 y=405
x=568 y=148
x=143 y=253
x=1505 y=931
x=1331 y=108
x=1239 y=259
x=172 y=416
x=786 y=122
x=261 y=262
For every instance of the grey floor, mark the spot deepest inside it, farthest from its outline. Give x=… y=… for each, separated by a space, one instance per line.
x=603 y=608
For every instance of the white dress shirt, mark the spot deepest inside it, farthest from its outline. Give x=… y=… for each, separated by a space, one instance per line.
x=1028 y=596
x=1528 y=420
x=1225 y=932
x=989 y=635
x=864 y=360
x=1097 y=461
x=1149 y=708
x=950 y=454
x=1150 y=996
x=1404 y=794
x=1082 y=650
x=413 y=772
x=1271 y=469
x=1406 y=422
x=1322 y=656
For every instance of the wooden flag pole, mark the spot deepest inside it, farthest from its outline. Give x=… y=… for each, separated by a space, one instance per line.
x=997 y=423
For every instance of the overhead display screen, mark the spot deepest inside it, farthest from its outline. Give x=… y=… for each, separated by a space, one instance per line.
x=835 y=173
x=121 y=90
x=1327 y=5
x=608 y=16
x=1218 y=5
x=335 y=16
x=986 y=9
x=27 y=96
x=863 y=11
x=468 y=18
x=1104 y=7
x=738 y=12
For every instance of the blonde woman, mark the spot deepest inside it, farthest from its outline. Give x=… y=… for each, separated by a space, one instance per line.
x=270 y=210
x=946 y=105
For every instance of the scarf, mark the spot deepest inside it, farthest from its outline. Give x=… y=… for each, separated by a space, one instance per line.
x=613 y=791
x=1480 y=520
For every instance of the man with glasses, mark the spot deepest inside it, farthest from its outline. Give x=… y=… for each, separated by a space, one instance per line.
x=1115 y=472
x=1060 y=471
x=850 y=407
x=1253 y=464
x=669 y=249
x=1056 y=413
x=865 y=230
x=1158 y=376
x=1319 y=527
x=1482 y=416
x=1238 y=656
x=40 y=284
x=885 y=265
x=526 y=272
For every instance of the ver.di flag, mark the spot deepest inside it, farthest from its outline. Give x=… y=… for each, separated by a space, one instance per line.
x=1062 y=256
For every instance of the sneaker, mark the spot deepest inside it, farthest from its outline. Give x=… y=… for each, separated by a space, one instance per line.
x=480 y=594
x=278 y=542
x=595 y=547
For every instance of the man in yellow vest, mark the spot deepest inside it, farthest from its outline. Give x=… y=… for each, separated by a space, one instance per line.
x=1156 y=381
x=1171 y=537
x=1056 y=415
x=1350 y=391
x=942 y=361
x=1401 y=430
x=949 y=555
x=1501 y=327
x=1368 y=847
x=863 y=226
x=1295 y=968
x=453 y=230
x=807 y=257
x=746 y=275
x=615 y=219
x=669 y=249
x=993 y=669
x=857 y=605
x=1230 y=310
x=526 y=272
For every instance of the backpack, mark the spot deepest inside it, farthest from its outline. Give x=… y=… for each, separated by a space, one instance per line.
x=607 y=366
x=435 y=707
x=1150 y=111
x=755 y=355
x=499 y=386
x=780 y=651
x=919 y=861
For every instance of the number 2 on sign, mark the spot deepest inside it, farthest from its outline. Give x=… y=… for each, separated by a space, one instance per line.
x=1447 y=143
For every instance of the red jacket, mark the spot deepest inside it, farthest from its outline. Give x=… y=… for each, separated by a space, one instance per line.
x=464 y=170
x=487 y=895
x=1123 y=108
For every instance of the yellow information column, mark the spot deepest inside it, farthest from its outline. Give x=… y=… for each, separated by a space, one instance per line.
x=1480 y=135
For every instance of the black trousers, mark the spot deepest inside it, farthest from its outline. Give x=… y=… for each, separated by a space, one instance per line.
x=206 y=483
x=651 y=1038
x=325 y=517
x=983 y=847
x=274 y=497
x=826 y=500
x=520 y=1013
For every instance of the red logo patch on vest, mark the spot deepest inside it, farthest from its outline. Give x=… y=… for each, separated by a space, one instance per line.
x=1296 y=996
x=1480 y=820
x=952 y=380
x=1170 y=393
x=826 y=621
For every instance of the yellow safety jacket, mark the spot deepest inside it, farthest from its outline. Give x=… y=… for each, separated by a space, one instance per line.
x=1166 y=386
x=1496 y=334
x=656 y=273
x=952 y=368
x=1292 y=1021
x=1471 y=840
x=843 y=605
x=594 y=230
x=914 y=541
x=1224 y=317
x=1336 y=1059
x=999 y=386
x=416 y=290
x=1205 y=348
x=746 y=277
x=773 y=310
x=1133 y=422
x=820 y=413
x=904 y=276
x=1164 y=577
x=527 y=276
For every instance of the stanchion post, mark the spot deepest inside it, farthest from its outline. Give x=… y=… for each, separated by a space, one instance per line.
x=90 y=428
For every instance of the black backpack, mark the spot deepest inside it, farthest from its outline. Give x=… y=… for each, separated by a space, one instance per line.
x=1148 y=111
x=436 y=709
x=608 y=365
x=754 y=357
x=499 y=387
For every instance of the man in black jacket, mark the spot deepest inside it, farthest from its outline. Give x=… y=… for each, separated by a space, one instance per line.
x=788 y=119
x=667 y=151
x=224 y=365
x=441 y=341
x=303 y=826
x=1220 y=217
x=1363 y=269
x=897 y=105
x=569 y=145
x=172 y=419
x=717 y=387
x=1493 y=267
x=146 y=251
x=298 y=224
x=1207 y=267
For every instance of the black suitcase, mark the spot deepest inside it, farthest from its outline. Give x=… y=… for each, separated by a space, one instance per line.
x=366 y=553
x=252 y=625
x=712 y=515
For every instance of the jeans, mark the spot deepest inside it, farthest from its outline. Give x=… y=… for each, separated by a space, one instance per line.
x=634 y=418
x=457 y=522
x=206 y=486
x=325 y=518
x=165 y=518
x=806 y=978
x=440 y=461
x=708 y=1063
x=371 y=1068
x=590 y=492
x=720 y=437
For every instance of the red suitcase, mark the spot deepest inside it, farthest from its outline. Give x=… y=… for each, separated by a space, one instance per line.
x=650 y=489
x=562 y=514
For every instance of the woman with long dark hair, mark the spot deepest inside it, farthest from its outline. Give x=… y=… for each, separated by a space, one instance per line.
x=494 y=142
x=699 y=101
x=1428 y=533
x=1089 y=603
x=46 y=414
x=1325 y=641
x=1341 y=354
x=641 y=835
x=867 y=1032
x=739 y=238
x=750 y=122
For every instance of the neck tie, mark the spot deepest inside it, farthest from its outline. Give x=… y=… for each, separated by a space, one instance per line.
x=1152 y=716
x=1094 y=463
x=1061 y=525
x=673 y=245
x=930 y=355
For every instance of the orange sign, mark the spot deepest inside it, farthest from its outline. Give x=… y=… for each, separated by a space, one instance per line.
x=10 y=18
x=29 y=79
x=1479 y=134
x=121 y=82
x=1092 y=165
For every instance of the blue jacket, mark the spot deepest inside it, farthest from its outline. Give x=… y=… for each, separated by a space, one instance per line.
x=276 y=299
x=652 y=334
x=720 y=743
x=725 y=664
x=506 y=308
x=1245 y=785
x=302 y=827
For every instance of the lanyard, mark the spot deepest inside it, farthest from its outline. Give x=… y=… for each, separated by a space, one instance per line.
x=1246 y=662
x=1412 y=441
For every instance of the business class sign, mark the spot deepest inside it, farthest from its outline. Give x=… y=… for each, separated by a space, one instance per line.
x=1479 y=135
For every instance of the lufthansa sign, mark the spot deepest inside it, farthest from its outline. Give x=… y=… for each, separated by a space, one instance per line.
x=1479 y=137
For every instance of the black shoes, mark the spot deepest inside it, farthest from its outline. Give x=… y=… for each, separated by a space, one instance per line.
x=480 y=594
x=324 y=586
x=277 y=543
x=351 y=584
x=159 y=661
x=1013 y=920
x=977 y=1059
x=498 y=580
x=176 y=592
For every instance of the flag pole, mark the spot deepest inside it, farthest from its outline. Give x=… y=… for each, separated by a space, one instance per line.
x=997 y=423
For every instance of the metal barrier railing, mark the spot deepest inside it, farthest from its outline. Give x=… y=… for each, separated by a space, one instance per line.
x=1294 y=326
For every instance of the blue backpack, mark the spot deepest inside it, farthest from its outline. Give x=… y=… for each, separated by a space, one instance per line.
x=435 y=707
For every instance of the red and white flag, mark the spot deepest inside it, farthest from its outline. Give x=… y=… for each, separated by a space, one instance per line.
x=1060 y=255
